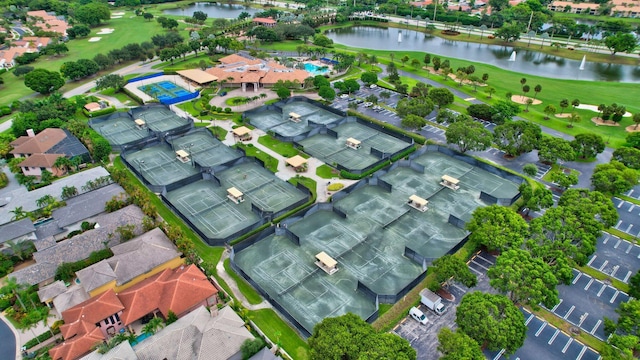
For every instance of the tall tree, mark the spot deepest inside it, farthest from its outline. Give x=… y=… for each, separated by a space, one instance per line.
x=588 y=145
x=333 y=338
x=469 y=135
x=449 y=268
x=614 y=178
x=458 y=346
x=525 y=279
x=517 y=137
x=497 y=227
x=43 y=81
x=492 y=320
x=550 y=149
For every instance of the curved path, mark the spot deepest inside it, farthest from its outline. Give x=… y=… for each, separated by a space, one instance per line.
x=8 y=346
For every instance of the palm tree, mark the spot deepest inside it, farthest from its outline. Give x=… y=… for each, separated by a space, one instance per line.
x=491 y=90
x=529 y=102
x=537 y=89
x=12 y=286
x=62 y=163
x=601 y=109
x=575 y=103
x=153 y=326
x=574 y=118
x=392 y=56
x=18 y=213
x=563 y=104
x=525 y=90
x=483 y=28
x=549 y=110
x=16 y=249
x=636 y=119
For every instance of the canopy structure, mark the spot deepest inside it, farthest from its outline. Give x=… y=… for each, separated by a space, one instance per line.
x=197 y=76
x=235 y=195
x=182 y=156
x=296 y=161
x=353 y=143
x=140 y=122
x=450 y=182
x=243 y=132
x=295 y=117
x=418 y=203
x=326 y=263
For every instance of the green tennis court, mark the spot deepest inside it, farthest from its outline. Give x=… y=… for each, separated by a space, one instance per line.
x=159 y=118
x=369 y=244
x=159 y=166
x=120 y=130
x=205 y=149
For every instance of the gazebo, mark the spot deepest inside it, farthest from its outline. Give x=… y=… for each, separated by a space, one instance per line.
x=353 y=143
x=243 y=133
x=326 y=263
x=450 y=182
x=140 y=124
x=183 y=156
x=298 y=163
x=295 y=117
x=235 y=195
x=418 y=203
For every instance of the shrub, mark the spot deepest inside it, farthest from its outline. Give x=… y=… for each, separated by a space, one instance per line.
x=335 y=186
x=5 y=110
x=227 y=110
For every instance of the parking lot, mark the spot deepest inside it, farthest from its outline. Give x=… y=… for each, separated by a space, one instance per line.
x=544 y=341
x=629 y=216
x=634 y=193
x=616 y=257
x=586 y=302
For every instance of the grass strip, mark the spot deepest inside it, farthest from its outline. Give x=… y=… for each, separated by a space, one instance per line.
x=253 y=297
x=285 y=149
x=280 y=332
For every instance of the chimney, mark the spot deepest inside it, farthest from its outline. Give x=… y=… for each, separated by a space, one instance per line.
x=30 y=133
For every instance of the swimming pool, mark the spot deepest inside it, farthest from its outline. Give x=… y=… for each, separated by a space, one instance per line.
x=315 y=69
x=163 y=91
x=139 y=338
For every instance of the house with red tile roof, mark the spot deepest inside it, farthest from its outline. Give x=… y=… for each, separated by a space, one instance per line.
x=42 y=150
x=178 y=290
x=249 y=73
x=32 y=43
x=8 y=57
x=266 y=22
x=48 y=22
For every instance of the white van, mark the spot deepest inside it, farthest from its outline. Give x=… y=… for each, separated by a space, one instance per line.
x=418 y=316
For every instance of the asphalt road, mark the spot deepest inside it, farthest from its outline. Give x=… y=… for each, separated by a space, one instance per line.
x=616 y=257
x=8 y=342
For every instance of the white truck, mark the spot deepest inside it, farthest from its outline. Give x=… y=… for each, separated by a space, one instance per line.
x=432 y=301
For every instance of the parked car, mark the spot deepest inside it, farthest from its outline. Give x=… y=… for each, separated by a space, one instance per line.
x=373 y=86
x=344 y=96
x=418 y=315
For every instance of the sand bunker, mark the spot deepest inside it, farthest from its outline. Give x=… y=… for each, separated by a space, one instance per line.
x=117 y=17
x=595 y=108
x=523 y=100
x=119 y=13
x=598 y=121
x=95 y=39
x=105 y=31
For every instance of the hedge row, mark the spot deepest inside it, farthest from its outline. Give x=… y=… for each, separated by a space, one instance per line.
x=100 y=112
x=133 y=96
x=417 y=138
x=66 y=271
x=42 y=337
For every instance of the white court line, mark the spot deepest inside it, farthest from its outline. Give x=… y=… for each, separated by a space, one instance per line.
x=584 y=349
x=569 y=312
x=613 y=298
x=602 y=267
x=566 y=346
x=589 y=284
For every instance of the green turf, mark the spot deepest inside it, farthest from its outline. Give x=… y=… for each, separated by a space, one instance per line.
x=270 y=162
x=283 y=148
x=249 y=292
x=278 y=331
x=326 y=172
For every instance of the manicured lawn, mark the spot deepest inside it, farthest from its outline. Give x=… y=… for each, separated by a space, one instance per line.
x=280 y=332
x=283 y=148
x=557 y=168
x=327 y=172
x=553 y=90
x=269 y=162
x=250 y=293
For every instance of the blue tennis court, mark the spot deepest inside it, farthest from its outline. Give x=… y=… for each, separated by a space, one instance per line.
x=164 y=90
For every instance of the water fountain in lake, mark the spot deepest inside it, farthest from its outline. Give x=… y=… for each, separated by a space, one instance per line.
x=513 y=56
x=400 y=36
x=584 y=59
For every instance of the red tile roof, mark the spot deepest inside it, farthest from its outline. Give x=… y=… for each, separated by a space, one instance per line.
x=40 y=160
x=268 y=20
x=40 y=143
x=77 y=346
x=95 y=309
x=176 y=290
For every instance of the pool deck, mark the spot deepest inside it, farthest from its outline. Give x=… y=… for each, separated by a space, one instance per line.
x=176 y=79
